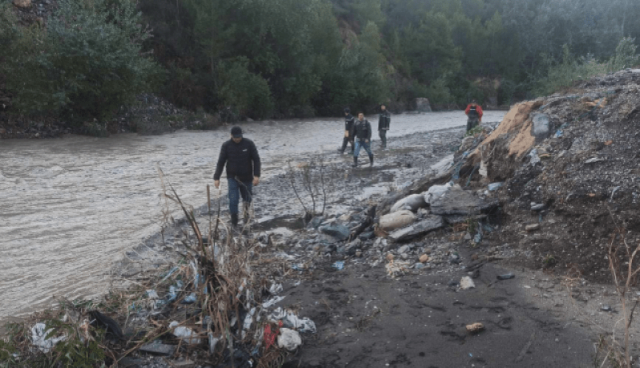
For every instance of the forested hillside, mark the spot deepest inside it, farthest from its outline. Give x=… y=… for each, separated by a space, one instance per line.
x=285 y=58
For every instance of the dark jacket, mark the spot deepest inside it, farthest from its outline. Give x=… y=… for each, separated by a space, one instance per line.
x=242 y=160
x=385 y=120
x=349 y=122
x=363 y=129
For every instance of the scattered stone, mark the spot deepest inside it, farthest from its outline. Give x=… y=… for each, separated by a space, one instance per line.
x=397 y=220
x=418 y=266
x=475 y=327
x=339 y=232
x=495 y=186
x=424 y=258
x=22 y=3
x=423 y=227
x=466 y=283
x=390 y=257
x=158 y=348
x=457 y=201
x=593 y=160
x=367 y=235
x=404 y=249
x=537 y=207
x=606 y=308
x=506 y=276
x=531 y=228
x=454 y=258
x=412 y=203
x=315 y=222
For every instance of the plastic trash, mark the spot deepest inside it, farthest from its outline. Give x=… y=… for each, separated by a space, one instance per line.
x=467 y=283
x=495 y=186
x=289 y=339
x=338 y=265
x=270 y=335
x=559 y=133
x=39 y=339
x=189 y=299
x=275 y=289
x=290 y=320
x=173 y=291
x=507 y=276
x=152 y=294
x=534 y=157
x=185 y=333
x=273 y=301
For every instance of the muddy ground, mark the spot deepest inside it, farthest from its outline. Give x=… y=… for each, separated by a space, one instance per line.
x=367 y=319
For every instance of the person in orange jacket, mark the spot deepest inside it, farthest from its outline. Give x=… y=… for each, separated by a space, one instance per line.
x=474 y=112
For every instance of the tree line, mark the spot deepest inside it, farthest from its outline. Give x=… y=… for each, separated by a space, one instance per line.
x=299 y=58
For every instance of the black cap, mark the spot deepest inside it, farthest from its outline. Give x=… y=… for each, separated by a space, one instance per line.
x=347 y=110
x=236 y=132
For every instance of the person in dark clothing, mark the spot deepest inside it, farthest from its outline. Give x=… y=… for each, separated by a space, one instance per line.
x=474 y=113
x=349 y=122
x=362 y=130
x=384 y=122
x=241 y=158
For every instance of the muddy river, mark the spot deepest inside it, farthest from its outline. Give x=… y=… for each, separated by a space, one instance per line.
x=70 y=208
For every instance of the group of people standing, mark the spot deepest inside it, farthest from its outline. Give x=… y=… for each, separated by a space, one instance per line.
x=242 y=161
x=357 y=133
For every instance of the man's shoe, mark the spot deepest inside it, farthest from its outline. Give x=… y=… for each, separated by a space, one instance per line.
x=355 y=162
x=370 y=160
x=234 y=221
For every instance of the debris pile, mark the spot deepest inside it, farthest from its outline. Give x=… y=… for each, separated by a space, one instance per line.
x=570 y=165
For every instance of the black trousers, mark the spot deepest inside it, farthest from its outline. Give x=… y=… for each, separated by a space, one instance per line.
x=383 y=137
x=472 y=123
x=344 y=144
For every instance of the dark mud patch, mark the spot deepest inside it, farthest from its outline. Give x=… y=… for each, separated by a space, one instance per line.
x=365 y=319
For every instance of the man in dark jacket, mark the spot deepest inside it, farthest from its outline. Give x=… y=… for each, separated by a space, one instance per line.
x=384 y=122
x=243 y=171
x=362 y=130
x=349 y=122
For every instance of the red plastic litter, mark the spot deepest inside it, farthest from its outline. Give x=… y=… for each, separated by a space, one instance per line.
x=269 y=336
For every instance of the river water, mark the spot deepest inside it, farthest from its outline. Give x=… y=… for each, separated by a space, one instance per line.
x=70 y=208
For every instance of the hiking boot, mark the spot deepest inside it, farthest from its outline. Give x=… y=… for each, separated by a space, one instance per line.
x=371 y=160
x=355 y=162
x=234 y=221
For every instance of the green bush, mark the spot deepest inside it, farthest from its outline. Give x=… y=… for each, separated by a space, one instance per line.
x=571 y=69
x=85 y=65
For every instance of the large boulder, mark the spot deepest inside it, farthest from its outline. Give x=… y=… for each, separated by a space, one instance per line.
x=411 y=203
x=457 y=201
x=423 y=105
x=541 y=128
x=339 y=232
x=397 y=220
x=419 y=229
